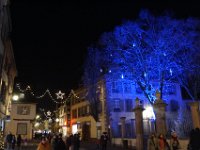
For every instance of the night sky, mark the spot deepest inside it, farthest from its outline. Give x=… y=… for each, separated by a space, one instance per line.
x=50 y=38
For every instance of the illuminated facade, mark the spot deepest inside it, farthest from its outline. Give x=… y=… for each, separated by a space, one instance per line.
x=7 y=65
x=81 y=120
x=117 y=100
x=64 y=119
x=22 y=119
x=121 y=95
x=75 y=116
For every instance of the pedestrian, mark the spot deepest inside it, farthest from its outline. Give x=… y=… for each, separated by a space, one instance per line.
x=194 y=139
x=104 y=139
x=25 y=142
x=54 y=142
x=174 y=141
x=68 y=143
x=152 y=143
x=71 y=138
x=76 y=141
x=162 y=143
x=60 y=144
x=19 y=140
x=13 y=141
x=9 y=141
x=44 y=144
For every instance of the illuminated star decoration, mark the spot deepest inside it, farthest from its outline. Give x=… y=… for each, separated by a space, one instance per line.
x=48 y=113
x=60 y=95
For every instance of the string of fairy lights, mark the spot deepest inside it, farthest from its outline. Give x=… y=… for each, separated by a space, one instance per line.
x=60 y=95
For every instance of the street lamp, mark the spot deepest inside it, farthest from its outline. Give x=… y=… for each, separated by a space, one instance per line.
x=57 y=120
x=15 y=97
x=38 y=116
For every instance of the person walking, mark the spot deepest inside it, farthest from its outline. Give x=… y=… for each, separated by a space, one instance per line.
x=9 y=141
x=13 y=141
x=44 y=144
x=152 y=143
x=68 y=143
x=19 y=141
x=174 y=142
x=71 y=138
x=194 y=139
x=162 y=143
x=76 y=141
x=54 y=142
x=60 y=144
x=104 y=139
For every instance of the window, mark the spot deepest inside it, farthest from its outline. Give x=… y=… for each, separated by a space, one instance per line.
x=79 y=112
x=23 y=110
x=128 y=131
x=22 y=128
x=88 y=110
x=117 y=105
x=3 y=92
x=116 y=87
x=74 y=113
x=82 y=111
x=174 y=105
x=127 y=88
x=169 y=89
x=128 y=103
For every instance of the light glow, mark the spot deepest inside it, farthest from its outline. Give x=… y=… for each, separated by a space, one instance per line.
x=74 y=128
x=15 y=97
x=148 y=113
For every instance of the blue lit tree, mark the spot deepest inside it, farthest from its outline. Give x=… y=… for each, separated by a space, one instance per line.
x=149 y=49
x=190 y=80
x=91 y=77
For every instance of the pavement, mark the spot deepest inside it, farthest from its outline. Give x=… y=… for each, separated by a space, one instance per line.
x=94 y=146
x=83 y=146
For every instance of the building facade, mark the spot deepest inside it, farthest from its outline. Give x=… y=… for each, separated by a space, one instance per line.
x=8 y=69
x=120 y=99
x=117 y=101
x=22 y=119
x=75 y=117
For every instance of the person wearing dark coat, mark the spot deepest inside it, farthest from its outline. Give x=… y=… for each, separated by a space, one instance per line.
x=69 y=142
x=76 y=141
x=104 y=139
x=13 y=141
x=9 y=141
x=194 y=139
x=54 y=142
x=19 y=141
x=60 y=144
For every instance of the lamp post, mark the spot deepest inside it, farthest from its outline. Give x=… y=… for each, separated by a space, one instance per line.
x=15 y=97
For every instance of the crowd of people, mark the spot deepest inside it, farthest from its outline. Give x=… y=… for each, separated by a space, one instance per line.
x=11 y=141
x=72 y=142
x=161 y=143
x=56 y=142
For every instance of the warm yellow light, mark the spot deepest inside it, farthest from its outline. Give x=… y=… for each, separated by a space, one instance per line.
x=57 y=120
x=38 y=116
x=36 y=124
x=15 y=97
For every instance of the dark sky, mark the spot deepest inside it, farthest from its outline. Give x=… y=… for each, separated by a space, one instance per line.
x=50 y=37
